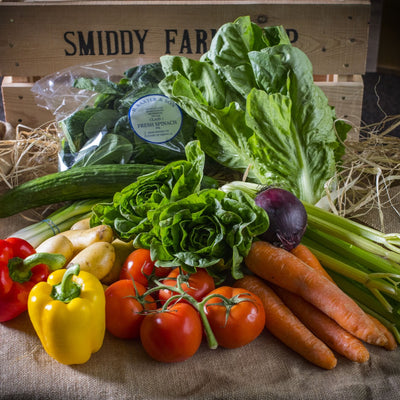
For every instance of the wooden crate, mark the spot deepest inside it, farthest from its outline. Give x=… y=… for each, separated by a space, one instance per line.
x=39 y=38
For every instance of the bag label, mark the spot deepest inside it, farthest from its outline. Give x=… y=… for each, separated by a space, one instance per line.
x=155 y=118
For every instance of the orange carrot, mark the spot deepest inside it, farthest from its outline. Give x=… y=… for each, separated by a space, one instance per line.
x=284 y=269
x=325 y=328
x=285 y=326
x=306 y=255
x=391 y=341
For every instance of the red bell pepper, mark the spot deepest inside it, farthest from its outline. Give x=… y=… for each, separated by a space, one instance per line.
x=21 y=268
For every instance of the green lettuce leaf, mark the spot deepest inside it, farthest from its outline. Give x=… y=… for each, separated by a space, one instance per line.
x=127 y=213
x=183 y=224
x=275 y=124
x=209 y=229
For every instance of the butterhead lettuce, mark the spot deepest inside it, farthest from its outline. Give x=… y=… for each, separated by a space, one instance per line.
x=183 y=224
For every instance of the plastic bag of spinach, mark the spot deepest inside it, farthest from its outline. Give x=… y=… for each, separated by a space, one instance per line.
x=100 y=128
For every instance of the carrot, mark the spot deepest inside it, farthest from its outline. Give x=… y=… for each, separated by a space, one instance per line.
x=325 y=328
x=306 y=255
x=391 y=341
x=284 y=269
x=286 y=327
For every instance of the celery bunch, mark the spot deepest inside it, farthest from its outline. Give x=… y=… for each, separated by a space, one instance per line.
x=364 y=262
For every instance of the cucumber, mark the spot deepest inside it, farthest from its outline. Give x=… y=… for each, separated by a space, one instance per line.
x=77 y=183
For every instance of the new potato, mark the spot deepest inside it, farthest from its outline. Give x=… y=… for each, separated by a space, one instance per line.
x=122 y=251
x=82 y=224
x=82 y=238
x=58 y=244
x=98 y=259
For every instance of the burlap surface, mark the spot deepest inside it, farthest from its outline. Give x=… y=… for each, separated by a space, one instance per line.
x=264 y=369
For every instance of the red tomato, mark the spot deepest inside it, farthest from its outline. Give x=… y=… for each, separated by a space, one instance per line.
x=173 y=335
x=123 y=312
x=244 y=322
x=198 y=284
x=139 y=266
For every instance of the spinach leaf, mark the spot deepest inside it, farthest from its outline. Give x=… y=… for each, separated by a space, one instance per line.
x=101 y=123
x=73 y=128
x=112 y=149
x=99 y=85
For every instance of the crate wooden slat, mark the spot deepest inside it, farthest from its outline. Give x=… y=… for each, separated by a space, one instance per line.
x=38 y=38
x=19 y=103
x=345 y=93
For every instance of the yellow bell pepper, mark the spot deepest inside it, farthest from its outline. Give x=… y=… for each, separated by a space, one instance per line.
x=68 y=314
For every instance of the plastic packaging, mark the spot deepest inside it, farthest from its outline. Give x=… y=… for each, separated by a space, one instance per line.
x=108 y=114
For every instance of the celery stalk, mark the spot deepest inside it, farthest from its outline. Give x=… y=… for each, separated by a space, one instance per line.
x=347 y=269
x=368 y=259
x=59 y=221
x=384 y=312
x=355 y=232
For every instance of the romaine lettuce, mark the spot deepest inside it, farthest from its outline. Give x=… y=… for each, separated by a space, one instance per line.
x=274 y=122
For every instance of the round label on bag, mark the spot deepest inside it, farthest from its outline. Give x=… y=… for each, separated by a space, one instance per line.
x=155 y=118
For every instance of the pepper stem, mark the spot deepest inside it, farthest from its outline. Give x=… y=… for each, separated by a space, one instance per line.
x=67 y=289
x=20 y=269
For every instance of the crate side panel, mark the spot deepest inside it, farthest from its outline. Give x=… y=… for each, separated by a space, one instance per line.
x=42 y=39
x=20 y=106
x=347 y=98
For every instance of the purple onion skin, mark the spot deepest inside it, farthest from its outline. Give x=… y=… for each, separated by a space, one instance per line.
x=287 y=217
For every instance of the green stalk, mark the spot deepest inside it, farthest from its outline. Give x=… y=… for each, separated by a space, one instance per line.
x=363 y=236
x=59 y=221
x=334 y=263
x=351 y=237
x=347 y=250
x=392 y=327
x=364 y=295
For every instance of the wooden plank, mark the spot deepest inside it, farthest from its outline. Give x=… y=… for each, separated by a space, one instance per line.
x=19 y=103
x=40 y=38
x=345 y=93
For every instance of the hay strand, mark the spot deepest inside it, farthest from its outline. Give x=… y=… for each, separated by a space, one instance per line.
x=32 y=153
x=369 y=177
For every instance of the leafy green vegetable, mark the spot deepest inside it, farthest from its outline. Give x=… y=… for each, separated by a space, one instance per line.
x=127 y=213
x=208 y=229
x=101 y=122
x=73 y=128
x=112 y=149
x=274 y=123
x=84 y=129
x=168 y=212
